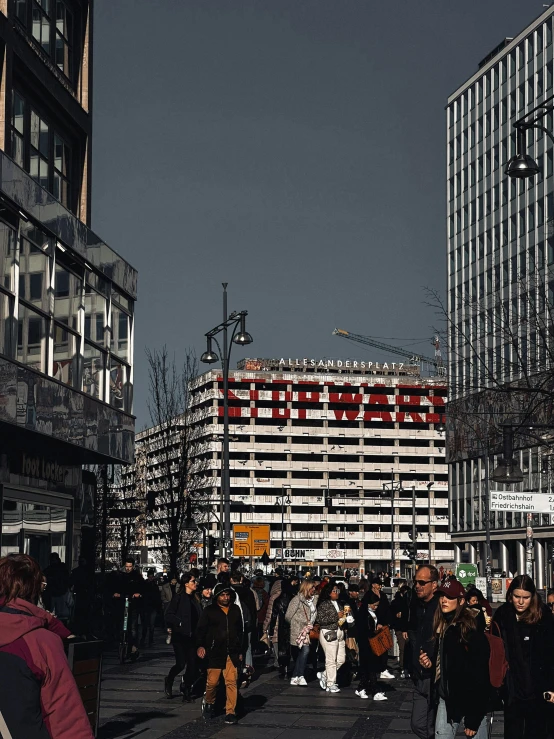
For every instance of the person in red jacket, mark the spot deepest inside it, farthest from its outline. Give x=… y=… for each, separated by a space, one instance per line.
x=39 y=698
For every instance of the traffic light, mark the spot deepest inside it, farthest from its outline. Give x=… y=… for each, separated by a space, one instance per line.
x=211 y=549
x=410 y=550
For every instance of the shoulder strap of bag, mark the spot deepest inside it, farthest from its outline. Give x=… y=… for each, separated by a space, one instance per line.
x=4 y=731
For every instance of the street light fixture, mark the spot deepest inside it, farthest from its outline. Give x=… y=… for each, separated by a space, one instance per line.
x=508 y=471
x=236 y=322
x=393 y=487
x=522 y=166
x=283 y=500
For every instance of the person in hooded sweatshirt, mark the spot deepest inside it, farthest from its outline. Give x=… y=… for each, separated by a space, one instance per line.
x=39 y=698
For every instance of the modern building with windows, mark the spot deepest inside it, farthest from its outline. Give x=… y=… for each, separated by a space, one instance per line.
x=500 y=285
x=327 y=435
x=66 y=298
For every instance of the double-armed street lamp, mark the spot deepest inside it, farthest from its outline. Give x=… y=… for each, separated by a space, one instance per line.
x=235 y=323
x=283 y=500
x=392 y=487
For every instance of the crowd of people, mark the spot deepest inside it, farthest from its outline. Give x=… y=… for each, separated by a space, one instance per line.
x=465 y=661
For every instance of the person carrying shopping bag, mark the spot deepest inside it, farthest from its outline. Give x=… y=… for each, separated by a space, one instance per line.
x=331 y=617
x=461 y=685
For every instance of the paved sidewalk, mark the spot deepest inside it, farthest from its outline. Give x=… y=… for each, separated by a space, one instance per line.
x=133 y=705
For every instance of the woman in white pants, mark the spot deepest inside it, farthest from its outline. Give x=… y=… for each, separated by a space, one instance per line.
x=330 y=618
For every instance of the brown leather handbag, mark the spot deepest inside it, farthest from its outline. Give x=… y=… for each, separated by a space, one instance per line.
x=314 y=631
x=381 y=642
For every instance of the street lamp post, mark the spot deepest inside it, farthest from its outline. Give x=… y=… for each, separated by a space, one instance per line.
x=393 y=487
x=283 y=500
x=237 y=323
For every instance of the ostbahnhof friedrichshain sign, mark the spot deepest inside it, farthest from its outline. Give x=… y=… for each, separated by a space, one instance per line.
x=524 y=502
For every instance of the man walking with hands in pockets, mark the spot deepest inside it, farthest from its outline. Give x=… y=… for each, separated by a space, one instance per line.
x=420 y=636
x=219 y=641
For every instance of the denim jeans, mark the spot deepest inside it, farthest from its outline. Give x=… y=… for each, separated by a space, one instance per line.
x=301 y=660
x=445 y=729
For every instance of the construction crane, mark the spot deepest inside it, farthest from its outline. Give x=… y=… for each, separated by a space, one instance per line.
x=415 y=359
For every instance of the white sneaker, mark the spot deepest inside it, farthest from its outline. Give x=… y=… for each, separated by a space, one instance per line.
x=386 y=675
x=294 y=681
x=322 y=680
x=301 y=680
x=380 y=697
x=404 y=675
x=333 y=688
x=362 y=694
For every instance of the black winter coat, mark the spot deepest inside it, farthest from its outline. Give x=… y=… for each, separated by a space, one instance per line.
x=464 y=683
x=384 y=614
x=399 y=605
x=420 y=634
x=366 y=628
x=180 y=616
x=220 y=634
x=280 y=605
x=541 y=652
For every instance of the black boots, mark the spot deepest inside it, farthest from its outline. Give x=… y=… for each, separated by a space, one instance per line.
x=168 y=687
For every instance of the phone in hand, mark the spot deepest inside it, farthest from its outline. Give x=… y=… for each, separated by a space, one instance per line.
x=546 y=696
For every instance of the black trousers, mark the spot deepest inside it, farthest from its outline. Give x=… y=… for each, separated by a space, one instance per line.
x=185 y=659
x=423 y=710
x=526 y=720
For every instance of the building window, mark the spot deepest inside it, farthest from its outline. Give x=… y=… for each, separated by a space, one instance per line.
x=39 y=149
x=50 y=23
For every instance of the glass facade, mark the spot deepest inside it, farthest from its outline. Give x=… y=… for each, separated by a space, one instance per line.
x=500 y=253
x=61 y=318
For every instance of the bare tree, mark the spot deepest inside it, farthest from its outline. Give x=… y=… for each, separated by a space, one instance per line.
x=169 y=466
x=501 y=357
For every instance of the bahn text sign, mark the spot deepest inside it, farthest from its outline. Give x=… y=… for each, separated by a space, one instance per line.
x=250 y=540
x=506 y=500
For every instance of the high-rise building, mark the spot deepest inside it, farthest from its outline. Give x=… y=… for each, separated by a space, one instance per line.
x=500 y=261
x=66 y=298
x=330 y=437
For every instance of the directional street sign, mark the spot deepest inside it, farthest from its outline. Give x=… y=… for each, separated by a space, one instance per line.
x=506 y=500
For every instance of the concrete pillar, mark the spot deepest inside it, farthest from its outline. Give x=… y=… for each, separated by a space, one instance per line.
x=472 y=553
x=457 y=553
x=520 y=554
x=503 y=559
x=539 y=564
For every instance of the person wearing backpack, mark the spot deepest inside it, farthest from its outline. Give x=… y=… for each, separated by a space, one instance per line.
x=527 y=630
x=461 y=686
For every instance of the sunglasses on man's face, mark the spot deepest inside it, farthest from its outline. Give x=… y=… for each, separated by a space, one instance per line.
x=422 y=583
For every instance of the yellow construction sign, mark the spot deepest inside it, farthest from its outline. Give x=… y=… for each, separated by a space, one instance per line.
x=250 y=540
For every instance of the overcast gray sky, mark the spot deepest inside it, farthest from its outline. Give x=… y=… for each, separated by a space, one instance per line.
x=293 y=148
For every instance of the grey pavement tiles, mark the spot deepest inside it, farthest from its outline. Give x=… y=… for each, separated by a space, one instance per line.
x=133 y=704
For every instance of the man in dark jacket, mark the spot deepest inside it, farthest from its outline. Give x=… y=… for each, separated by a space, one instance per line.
x=219 y=637
x=151 y=605
x=129 y=584
x=420 y=636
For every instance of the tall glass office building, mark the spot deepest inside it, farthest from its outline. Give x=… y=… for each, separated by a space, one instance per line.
x=500 y=256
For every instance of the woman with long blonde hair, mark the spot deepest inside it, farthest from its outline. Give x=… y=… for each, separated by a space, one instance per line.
x=461 y=681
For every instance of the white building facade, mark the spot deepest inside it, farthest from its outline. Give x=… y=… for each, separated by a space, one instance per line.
x=327 y=435
x=500 y=251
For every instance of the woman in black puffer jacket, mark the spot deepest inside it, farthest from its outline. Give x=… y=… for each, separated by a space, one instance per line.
x=527 y=629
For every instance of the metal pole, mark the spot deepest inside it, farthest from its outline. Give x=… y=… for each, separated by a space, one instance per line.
x=392 y=520
x=488 y=566
x=414 y=534
x=529 y=546
x=104 y=529
x=282 y=531
x=226 y=479
x=204 y=568
x=529 y=537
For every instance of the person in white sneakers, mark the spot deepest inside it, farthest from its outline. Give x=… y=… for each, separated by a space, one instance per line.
x=385 y=617
x=331 y=618
x=367 y=625
x=301 y=613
